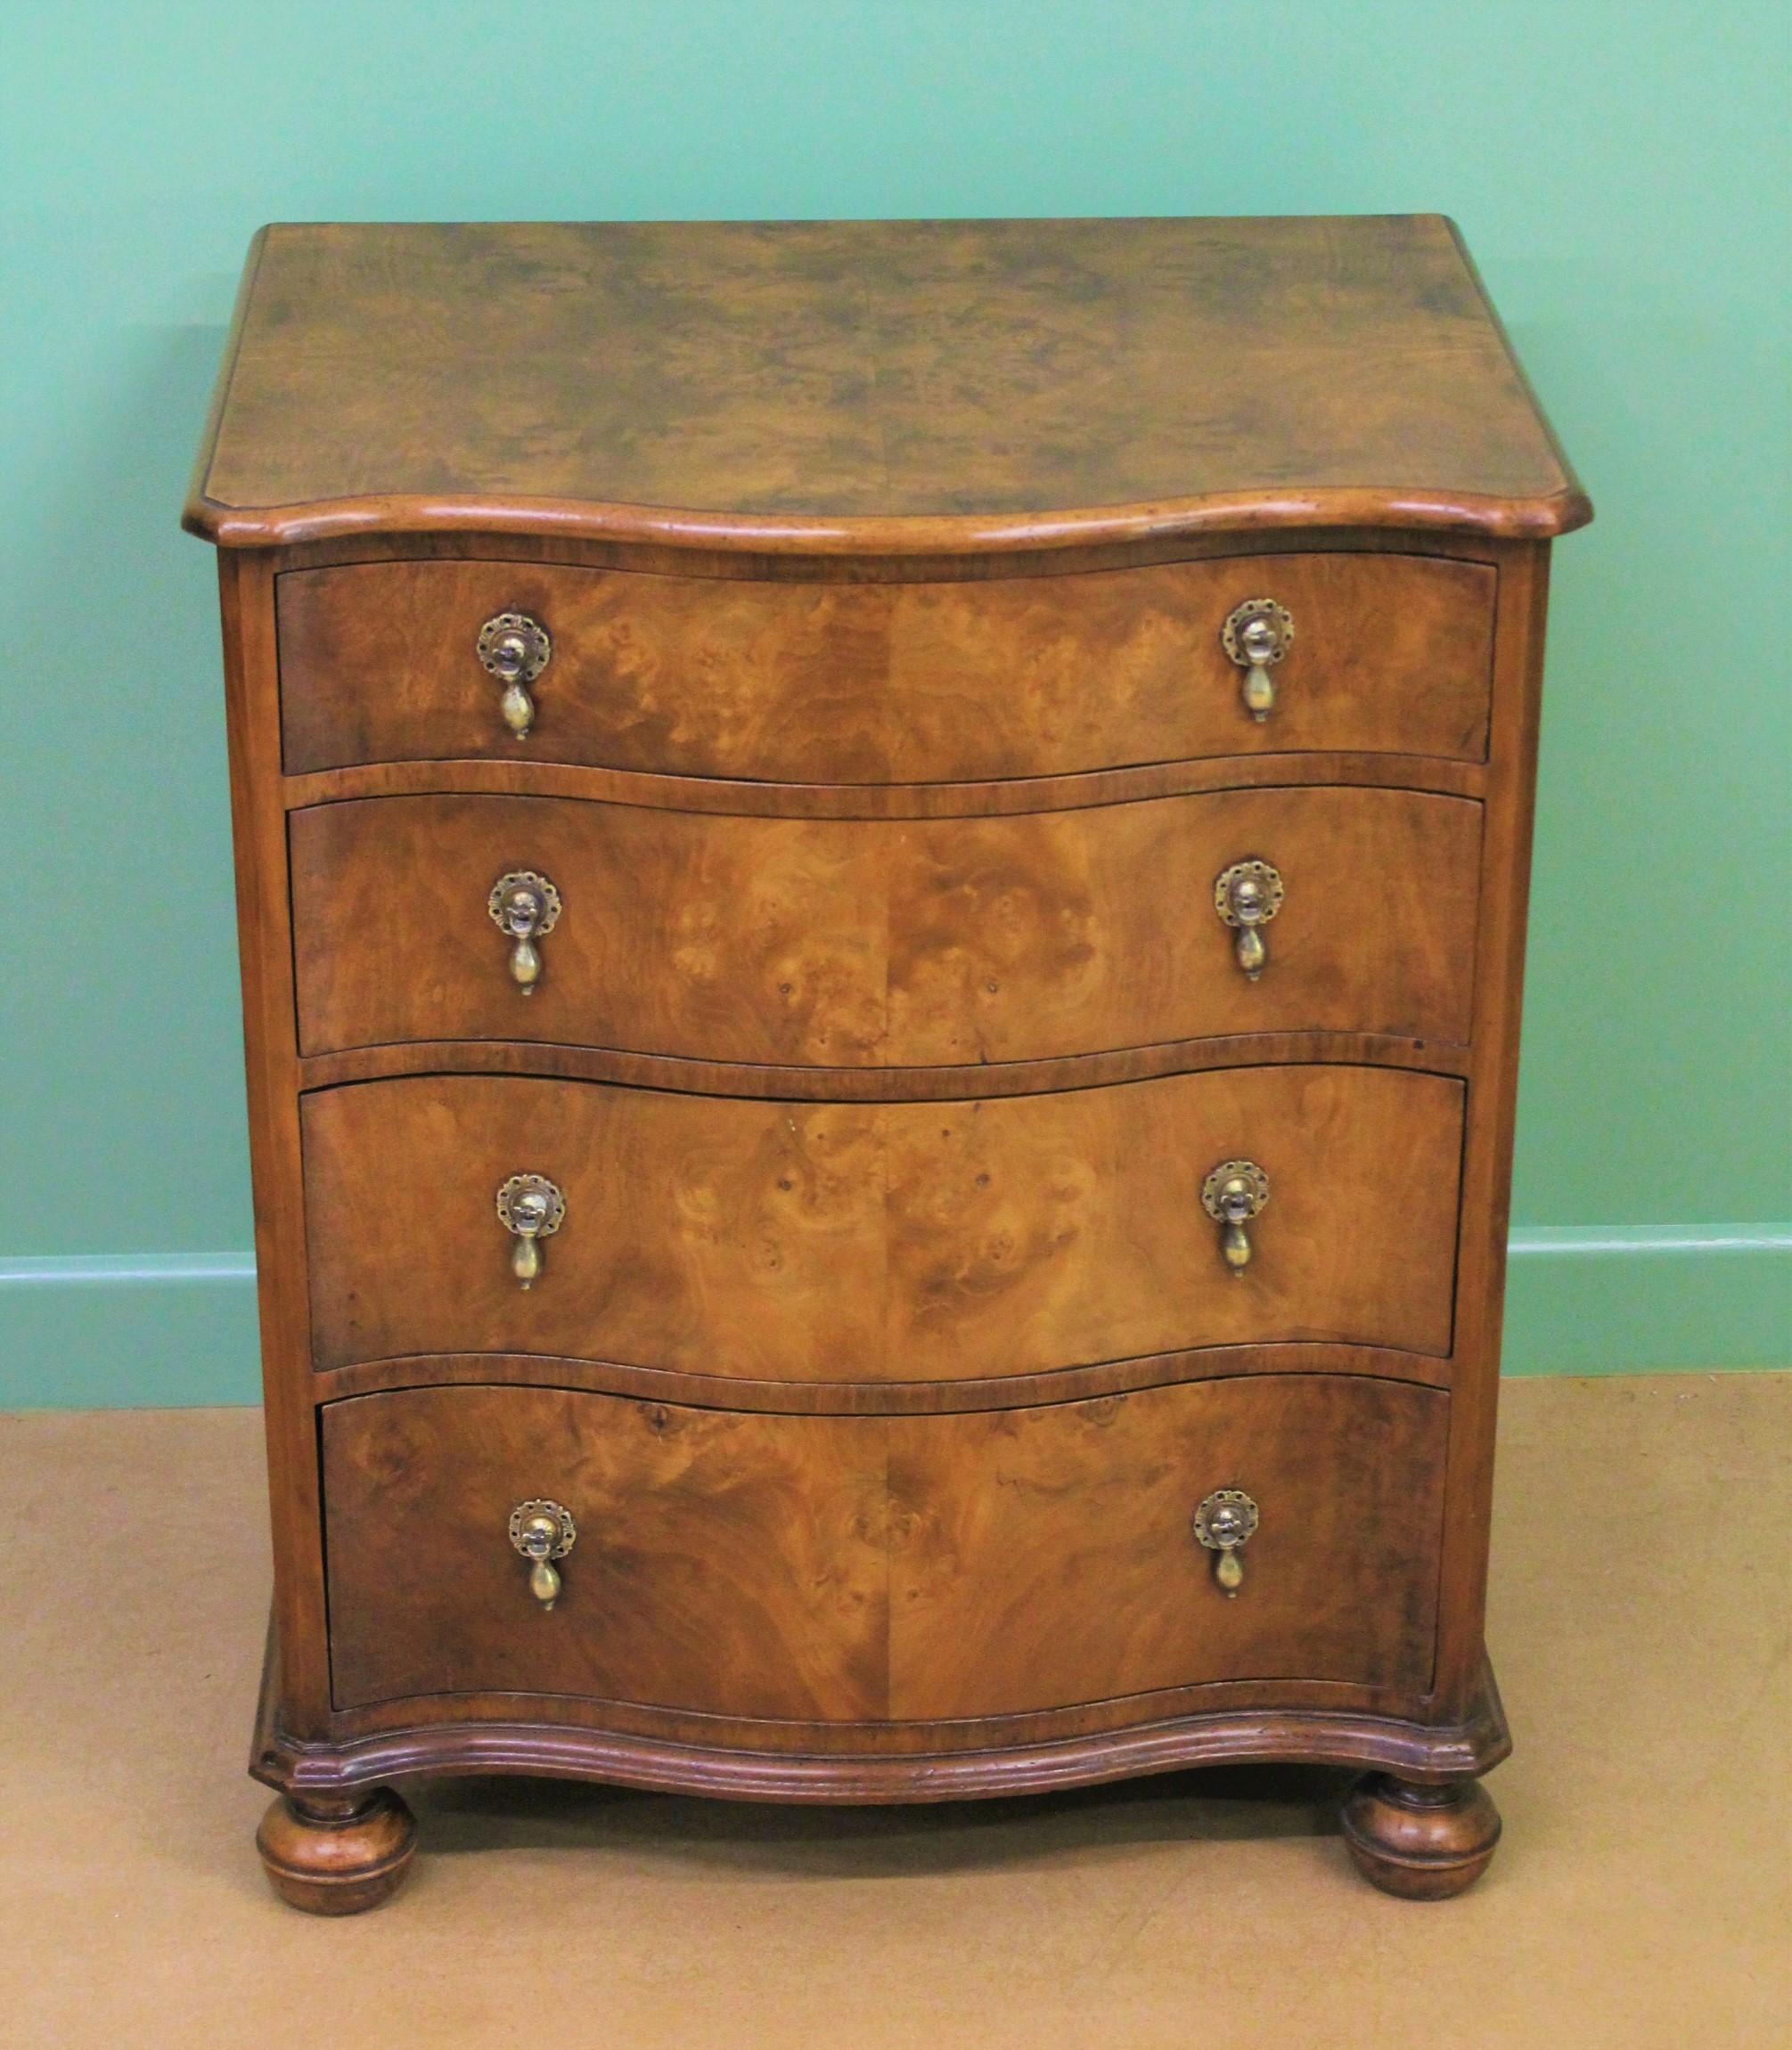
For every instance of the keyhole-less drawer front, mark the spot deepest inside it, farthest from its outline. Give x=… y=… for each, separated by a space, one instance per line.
x=847 y=941
x=1042 y=1555
x=854 y=1569
x=874 y=1243
x=724 y=1562
x=842 y=683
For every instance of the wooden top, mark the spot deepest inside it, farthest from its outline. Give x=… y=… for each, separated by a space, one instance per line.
x=882 y=387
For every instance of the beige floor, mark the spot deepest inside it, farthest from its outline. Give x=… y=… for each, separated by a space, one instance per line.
x=1640 y=1899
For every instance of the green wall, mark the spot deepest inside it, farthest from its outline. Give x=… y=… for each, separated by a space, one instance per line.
x=1620 y=172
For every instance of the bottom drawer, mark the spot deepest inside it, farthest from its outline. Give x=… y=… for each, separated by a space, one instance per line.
x=874 y=1568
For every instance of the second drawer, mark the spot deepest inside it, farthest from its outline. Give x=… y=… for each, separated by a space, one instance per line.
x=885 y=943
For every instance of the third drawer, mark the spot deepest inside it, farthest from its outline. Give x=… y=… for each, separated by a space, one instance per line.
x=882 y=1242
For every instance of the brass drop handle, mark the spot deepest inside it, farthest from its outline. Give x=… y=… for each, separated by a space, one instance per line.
x=1233 y=1195
x=525 y=907
x=1248 y=895
x=1223 y=1523
x=542 y=1532
x=514 y=648
x=531 y=1209
x=1257 y=636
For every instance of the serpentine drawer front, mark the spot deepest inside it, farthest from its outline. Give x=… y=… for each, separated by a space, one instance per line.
x=854 y=1569
x=858 y=942
x=885 y=683
x=882 y=873
x=784 y=1241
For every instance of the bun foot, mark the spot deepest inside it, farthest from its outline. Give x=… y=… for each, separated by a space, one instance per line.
x=337 y=1854
x=1421 y=1842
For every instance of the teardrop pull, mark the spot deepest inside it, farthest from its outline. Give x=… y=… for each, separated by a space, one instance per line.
x=531 y=1208
x=542 y=1532
x=1231 y=1196
x=1257 y=636
x=1224 y=1522
x=514 y=648
x=525 y=907
x=518 y=709
x=1247 y=896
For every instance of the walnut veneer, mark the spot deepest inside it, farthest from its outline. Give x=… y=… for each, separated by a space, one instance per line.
x=924 y=681
x=905 y=1242
x=901 y=1388
x=844 y=943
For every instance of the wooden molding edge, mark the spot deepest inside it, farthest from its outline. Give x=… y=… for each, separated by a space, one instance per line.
x=1312 y=1737
x=1045 y=1387
x=220 y=390
x=1532 y=518
x=689 y=1075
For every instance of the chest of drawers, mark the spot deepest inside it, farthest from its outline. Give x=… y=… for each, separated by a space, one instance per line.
x=882 y=873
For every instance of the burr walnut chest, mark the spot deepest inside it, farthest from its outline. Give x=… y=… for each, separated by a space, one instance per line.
x=882 y=874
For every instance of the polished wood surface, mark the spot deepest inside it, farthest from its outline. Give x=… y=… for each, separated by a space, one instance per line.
x=546 y=1059
x=337 y=1855
x=885 y=1242
x=884 y=1398
x=1420 y=1842
x=1043 y=1555
x=723 y=1563
x=1007 y=799
x=674 y=1750
x=885 y=566
x=854 y=1570
x=884 y=944
x=1486 y=1179
x=820 y=385
x=846 y=682
x=272 y=1074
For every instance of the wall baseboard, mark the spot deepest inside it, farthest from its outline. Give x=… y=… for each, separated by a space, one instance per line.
x=1627 y=1299
x=128 y=1330
x=95 y=1331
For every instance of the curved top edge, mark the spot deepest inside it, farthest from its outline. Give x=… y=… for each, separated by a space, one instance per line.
x=1541 y=519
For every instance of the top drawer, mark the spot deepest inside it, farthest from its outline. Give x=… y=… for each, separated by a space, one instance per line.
x=836 y=683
